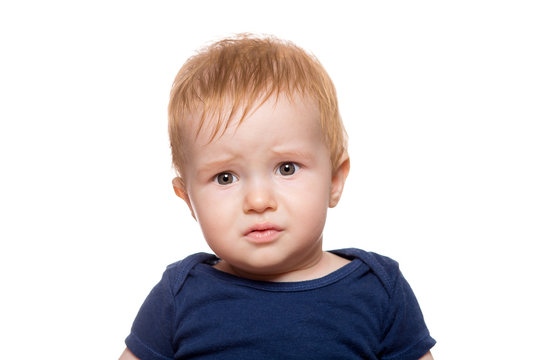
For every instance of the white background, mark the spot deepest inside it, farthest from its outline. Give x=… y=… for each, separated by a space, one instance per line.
x=441 y=103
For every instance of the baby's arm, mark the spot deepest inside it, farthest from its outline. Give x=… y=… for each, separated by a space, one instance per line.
x=425 y=357
x=128 y=355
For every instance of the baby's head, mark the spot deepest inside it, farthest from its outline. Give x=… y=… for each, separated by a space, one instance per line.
x=232 y=77
x=260 y=151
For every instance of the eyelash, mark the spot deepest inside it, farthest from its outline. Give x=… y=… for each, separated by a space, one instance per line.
x=295 y=168
x=227 y=178
x=233 y=178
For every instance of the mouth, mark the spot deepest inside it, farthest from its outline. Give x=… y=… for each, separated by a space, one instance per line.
x=263 y=233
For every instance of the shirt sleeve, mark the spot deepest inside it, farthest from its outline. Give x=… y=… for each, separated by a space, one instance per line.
x=406 y=335
x=151 y=333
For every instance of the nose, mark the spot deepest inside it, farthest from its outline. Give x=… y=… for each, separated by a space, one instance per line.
x=259 y=196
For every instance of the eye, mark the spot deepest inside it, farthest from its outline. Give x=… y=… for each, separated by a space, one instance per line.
x=288 y=168
x=225 y=178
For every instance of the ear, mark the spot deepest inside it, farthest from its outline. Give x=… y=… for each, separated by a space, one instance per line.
x=180 y=191
x=338 y=180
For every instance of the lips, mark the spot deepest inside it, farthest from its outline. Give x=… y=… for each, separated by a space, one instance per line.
x=263 y=233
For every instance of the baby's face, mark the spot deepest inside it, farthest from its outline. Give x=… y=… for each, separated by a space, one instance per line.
x=261 y=191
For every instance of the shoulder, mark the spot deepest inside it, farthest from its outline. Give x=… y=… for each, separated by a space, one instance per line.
x=176 y=273
x=384 y=268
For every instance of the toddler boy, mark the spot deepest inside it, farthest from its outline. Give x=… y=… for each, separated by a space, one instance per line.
x=260 y=152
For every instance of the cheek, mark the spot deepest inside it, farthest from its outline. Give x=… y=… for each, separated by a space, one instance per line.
x=214 y=211
x=307 y=217
x=313 y=213
x=308 y=200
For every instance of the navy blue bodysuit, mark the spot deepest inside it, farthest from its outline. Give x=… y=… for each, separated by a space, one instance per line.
x=364 y=310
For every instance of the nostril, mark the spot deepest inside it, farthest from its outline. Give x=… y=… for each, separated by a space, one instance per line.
x=260 y=202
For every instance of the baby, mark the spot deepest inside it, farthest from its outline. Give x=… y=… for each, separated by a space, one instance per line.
x=260 y=151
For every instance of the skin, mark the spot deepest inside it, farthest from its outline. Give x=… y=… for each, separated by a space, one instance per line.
x=261 y=200
x=128 y=355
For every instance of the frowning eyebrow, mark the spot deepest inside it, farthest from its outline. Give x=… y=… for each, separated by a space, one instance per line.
x=221 y=163
x=217 y=163
x=291 y=153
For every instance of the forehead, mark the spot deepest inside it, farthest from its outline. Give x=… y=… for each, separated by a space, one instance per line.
x=274 y=112
x=278 y=130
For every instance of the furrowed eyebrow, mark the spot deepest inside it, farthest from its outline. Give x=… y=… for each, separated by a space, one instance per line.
x=292 y=153
x=217 y=163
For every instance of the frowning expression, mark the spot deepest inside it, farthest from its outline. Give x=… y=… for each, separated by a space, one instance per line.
x=261 y=190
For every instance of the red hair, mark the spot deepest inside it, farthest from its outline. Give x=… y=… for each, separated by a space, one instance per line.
x=232 y=76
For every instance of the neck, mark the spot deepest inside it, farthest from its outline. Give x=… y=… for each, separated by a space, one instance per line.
x=320 y=266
